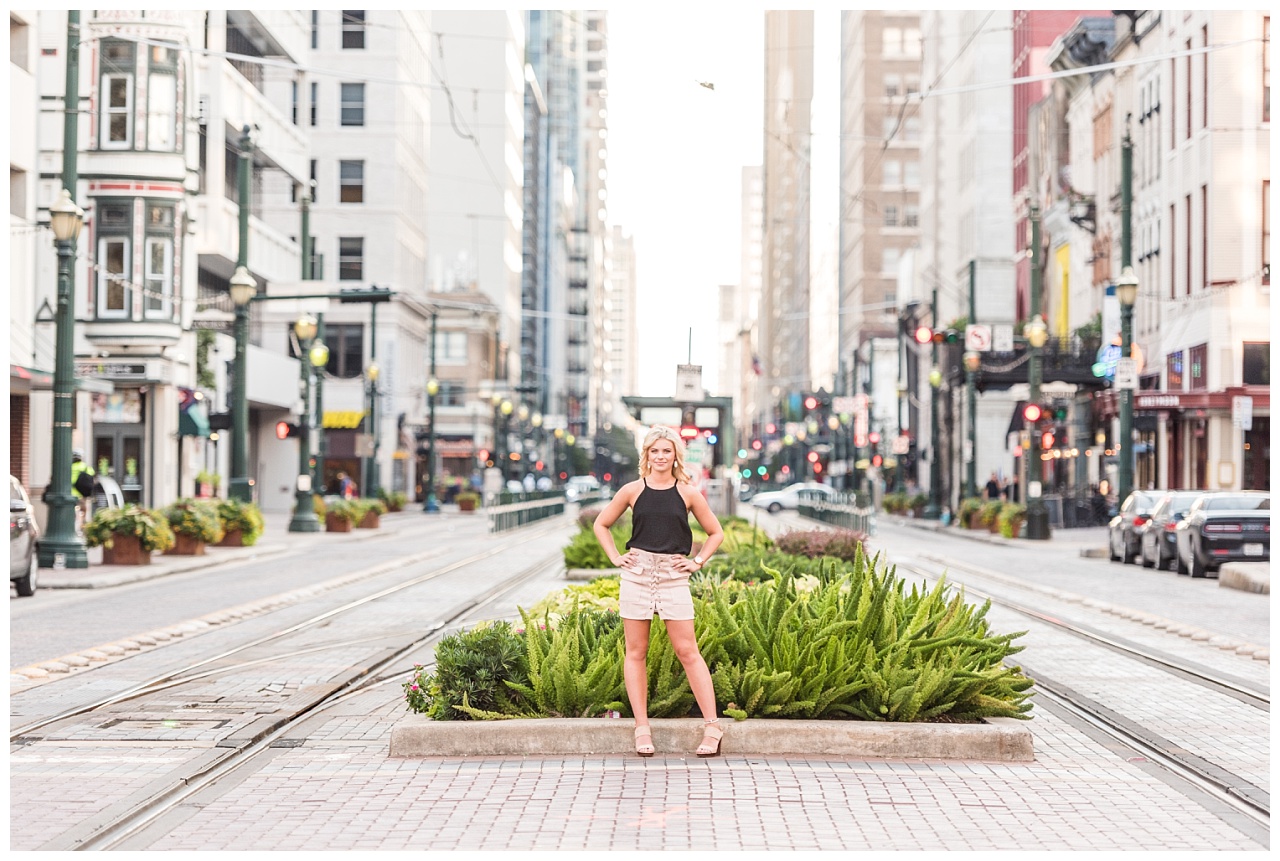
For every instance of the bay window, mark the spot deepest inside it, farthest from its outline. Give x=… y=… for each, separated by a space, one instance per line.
x=118 y=68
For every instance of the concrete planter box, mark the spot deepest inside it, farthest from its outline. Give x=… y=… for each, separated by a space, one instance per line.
x=997 y=740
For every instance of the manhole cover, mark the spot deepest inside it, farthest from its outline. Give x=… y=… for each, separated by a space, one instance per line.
x=163 y=724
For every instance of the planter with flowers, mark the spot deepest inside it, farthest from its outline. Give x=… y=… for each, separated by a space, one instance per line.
x=1011 y=518
x=341 y=514
x=241 y=523
x=194 y=525
x=394 y=500
x=989 y=515
x=370 y=513
x=128 y=535
x=967 y=513
x=467 y=501
x=207 y=484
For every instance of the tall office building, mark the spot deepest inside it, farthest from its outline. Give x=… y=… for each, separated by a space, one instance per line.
x=622 y=338
x=784 y=306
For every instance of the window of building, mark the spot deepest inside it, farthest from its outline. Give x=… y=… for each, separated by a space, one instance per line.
x=157 y=300
x=162 y=99
x=353 y=104
x=346 y=349
x=891 y=216
x=293 y=102
x=115 y=227
x=17 y=192
x=1173 y=264
x=912 y=84
x=892 y=41
x=18 y=34
x=353 y=27
x=314 y=187
x=911 y=174
x=451 y=394
x=889 y=262
x=351 y=178
x=315 y=103
x=911 y=129
x=892 y=173
x=451 y=347
x=1266 y=69
x=911 y=215
x=117 y=94
x=892 y=86
x=1266 y=231
x=1173 y=103
x=1173 y=372
x=1256 y=368
x=1197 y=357
x=315 y=29
x=350 y=258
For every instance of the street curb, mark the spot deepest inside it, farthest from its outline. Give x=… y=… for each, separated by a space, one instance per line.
x=996 y=740
x=119 y=575
x=585 y=574
x=1246 y=576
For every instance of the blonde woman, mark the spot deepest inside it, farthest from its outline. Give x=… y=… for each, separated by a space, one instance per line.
x=655 y=576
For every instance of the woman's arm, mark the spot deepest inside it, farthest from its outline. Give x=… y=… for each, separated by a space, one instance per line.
x=606 y=518
x=709 y=523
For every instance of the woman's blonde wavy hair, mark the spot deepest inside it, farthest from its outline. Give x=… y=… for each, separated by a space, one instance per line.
x=678 y=469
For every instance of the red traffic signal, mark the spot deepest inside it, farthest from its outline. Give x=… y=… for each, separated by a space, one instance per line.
x=811 y=403
x=876 y=460
x=813 y=457
x=1032 y=412
x=688 y=432
x=873 y=438
x=1046 y=440
x=924 y=335
x=284 y=430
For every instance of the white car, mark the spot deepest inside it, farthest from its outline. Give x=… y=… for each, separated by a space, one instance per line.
x=579 y=486
x=789 y=497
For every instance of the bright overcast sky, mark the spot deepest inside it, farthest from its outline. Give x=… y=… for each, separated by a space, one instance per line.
x=676 y=153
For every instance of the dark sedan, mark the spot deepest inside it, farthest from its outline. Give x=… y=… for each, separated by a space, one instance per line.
x=1231 y=526
x=1159 y=538
x=1122 y=535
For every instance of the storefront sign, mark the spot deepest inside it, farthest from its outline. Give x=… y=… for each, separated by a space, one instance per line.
x=1242 y=412
x=112 y=370
x=1154 y=402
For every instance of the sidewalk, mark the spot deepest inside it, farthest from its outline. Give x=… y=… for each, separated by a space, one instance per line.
x=276 y=539
x=1091 y=541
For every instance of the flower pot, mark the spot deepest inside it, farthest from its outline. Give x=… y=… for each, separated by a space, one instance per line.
x=125 y=550
x=334 y=523
x=466 y=505
x=185 y=545
x=232 y=538
x=371 y=520
x=995 y=525
x=974 y=522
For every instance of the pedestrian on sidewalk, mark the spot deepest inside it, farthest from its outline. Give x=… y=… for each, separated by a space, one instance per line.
x=655 y=577
x=993 y=490
x=346 y=487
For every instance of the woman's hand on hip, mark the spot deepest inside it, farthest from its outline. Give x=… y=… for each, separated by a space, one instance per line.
x=626 y=560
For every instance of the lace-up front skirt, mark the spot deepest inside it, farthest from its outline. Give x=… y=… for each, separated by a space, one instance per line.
x=652 y=586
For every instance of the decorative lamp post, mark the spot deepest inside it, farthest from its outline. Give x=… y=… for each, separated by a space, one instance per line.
x=1127 y=293
x=933 y=510
x=243 y=289
x=1037 y=515
x=430 y=504
x=972 y=361
x=319 y=356
x=558 y=435
x=371 y=465
x=304 y=510
x=62 y=547
x=506 y=407
x=536 y=421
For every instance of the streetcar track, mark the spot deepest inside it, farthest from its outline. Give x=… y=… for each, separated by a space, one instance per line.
x=115 y=826
x=23 y=734
x=1231 y=789
x=1205 y=677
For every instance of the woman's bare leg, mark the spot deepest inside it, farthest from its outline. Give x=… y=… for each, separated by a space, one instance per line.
x=685 y=643
x=635 y=672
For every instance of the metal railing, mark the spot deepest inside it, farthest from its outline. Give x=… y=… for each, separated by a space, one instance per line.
x=518 y=509
x=843 y=511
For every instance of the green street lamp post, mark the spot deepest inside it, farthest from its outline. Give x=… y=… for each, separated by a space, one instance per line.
x=62 y=547
x=304 y=511
x=933 y=510
x=506 y=407
x=430 y=504
x=1127 y=293
x=243 y=288
x=972 y=361
x=1037 y=515
x=371 y=465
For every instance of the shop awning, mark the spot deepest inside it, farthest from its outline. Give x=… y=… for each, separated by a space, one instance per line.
x=193 y=420
x=23 y=378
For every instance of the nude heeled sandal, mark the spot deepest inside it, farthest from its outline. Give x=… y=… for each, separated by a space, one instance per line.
x=644 y=749
x=710 y=733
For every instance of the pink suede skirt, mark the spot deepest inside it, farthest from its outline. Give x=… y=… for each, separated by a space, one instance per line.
x=652 y=586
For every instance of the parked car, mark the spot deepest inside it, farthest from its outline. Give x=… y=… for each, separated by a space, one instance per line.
x=24 y=536
x=789 y=497
x=579 y=486
x=1159 y=537
x=1226 y=526
x=1122 y=537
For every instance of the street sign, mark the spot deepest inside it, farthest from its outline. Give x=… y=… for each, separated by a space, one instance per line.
x=1242 y=412
x=977 y=337
x=1002 y=338
x=1127 y=374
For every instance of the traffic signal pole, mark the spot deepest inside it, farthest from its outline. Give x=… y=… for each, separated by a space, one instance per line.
x=1037 y=515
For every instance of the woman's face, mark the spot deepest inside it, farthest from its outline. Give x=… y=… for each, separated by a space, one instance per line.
x=661 y=455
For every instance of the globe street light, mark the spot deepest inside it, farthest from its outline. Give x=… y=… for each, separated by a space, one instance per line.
x=243 y=289
x=1127 y=293
x=304 y=509
x=431 y=504
x=62 y=546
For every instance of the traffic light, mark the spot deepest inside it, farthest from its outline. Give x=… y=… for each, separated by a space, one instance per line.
x=926 y=335
x=1046 y=440
x=688 y=425
x=284 y=430
x=810 y=403
x=923 y=335
x=1032 y=413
